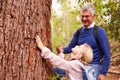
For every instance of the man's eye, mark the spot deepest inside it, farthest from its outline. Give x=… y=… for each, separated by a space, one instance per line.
x=85 y=16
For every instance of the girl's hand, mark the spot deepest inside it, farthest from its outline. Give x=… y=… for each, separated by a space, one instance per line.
x=39 y=42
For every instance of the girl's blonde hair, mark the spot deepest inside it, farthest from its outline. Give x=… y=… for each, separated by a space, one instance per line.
x=87 y=53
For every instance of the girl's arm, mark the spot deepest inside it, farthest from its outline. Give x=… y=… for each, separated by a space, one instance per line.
x=54 y=59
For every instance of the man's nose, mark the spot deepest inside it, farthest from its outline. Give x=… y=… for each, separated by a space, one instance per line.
x=83 y=18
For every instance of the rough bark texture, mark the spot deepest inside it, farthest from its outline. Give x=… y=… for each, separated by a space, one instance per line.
x=20 y=21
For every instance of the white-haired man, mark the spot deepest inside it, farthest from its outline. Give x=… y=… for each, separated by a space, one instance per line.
x=101 y=50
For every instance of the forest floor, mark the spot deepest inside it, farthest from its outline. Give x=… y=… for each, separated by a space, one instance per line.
x=114 y=72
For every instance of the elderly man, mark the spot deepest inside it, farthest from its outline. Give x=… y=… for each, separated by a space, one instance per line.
x=101 y=49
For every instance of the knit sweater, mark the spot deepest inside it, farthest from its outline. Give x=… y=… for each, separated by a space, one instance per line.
x=72 y=68
x=102 y=52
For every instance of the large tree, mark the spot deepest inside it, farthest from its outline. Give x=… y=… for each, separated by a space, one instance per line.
x=20 y=21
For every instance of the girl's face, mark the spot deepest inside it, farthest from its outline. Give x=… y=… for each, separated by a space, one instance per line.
x=76 y=52
x=76 y=49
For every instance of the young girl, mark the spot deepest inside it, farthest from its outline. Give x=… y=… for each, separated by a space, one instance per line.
x=82 y=53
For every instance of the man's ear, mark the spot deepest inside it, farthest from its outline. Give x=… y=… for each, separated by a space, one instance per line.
x=94 y=15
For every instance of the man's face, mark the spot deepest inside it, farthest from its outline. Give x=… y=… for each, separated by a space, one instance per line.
x=86 y=18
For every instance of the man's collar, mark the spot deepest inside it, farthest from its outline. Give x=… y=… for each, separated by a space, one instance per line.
x=90 y=26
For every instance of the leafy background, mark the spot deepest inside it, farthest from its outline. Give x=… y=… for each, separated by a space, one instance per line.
x=65 y=20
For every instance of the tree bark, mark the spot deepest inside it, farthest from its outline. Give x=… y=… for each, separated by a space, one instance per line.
x=20 y=21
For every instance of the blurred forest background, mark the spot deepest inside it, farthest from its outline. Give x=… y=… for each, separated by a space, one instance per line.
x=65 y=20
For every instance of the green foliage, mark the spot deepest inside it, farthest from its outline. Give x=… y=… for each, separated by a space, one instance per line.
x=107 y=15
x=53 y=78
x=64 y=26
x=114 y=25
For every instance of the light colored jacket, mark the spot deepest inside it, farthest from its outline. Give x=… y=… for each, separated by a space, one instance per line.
x=72 y=68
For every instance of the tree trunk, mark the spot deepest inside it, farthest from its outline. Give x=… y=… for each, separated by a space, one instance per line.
x=20 y=21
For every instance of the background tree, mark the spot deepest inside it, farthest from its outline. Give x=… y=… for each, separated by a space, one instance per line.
x=113 y=24
x=20 y=21
x=64 y=23
x=107 y=16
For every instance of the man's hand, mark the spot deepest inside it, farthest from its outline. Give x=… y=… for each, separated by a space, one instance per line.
x=101 y=77
x=39 y=42
x=59 y=49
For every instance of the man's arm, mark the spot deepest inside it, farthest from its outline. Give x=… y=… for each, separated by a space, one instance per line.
x=72 y=43
x=104 y=44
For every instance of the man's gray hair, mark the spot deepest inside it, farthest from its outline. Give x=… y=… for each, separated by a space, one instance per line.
x=90 y=7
